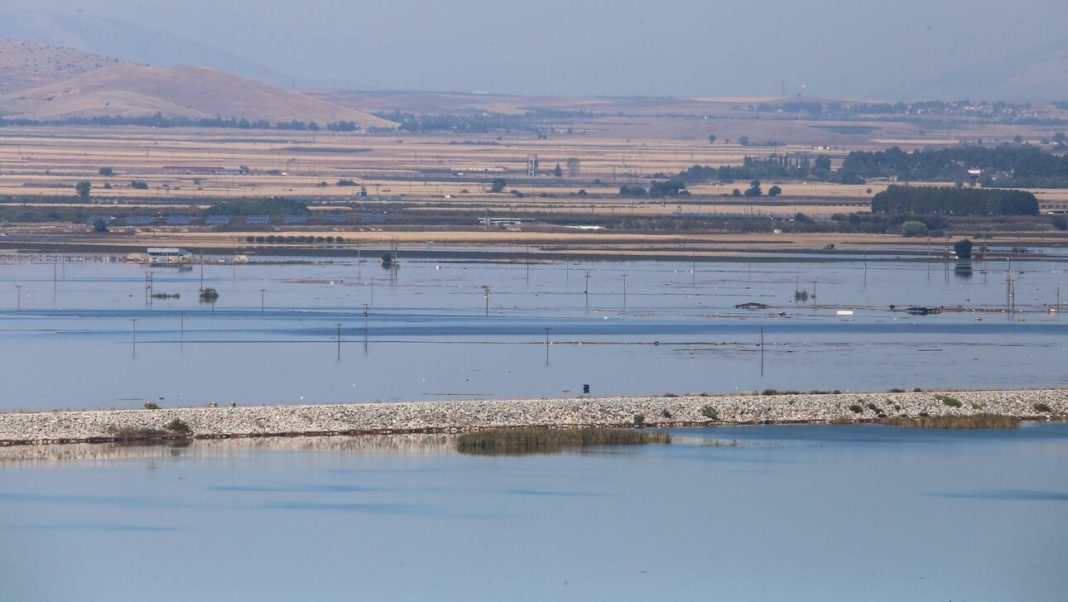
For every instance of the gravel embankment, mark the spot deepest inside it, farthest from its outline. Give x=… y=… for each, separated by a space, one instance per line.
x=453 y=416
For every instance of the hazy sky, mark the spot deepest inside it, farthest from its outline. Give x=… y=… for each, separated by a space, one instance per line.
x=618 y=47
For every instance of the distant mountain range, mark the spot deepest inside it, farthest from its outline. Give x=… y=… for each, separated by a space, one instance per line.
x=1041 y=73
x=40 y=82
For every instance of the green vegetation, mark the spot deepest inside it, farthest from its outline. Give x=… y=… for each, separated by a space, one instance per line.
x=1005 y=166
x=954 y=201
x=952 y=402
x=498 y=185
x=151 y=405
x=84 y=188
x=963 y=249
x=709 y=412
x=913 y=228
x=517 y=442
x=127 y=435
x=271 y=206
x=1043 y=407
x=975 y=421
x=665 y=413
x=139 y=185
x=856 y=408
x=179 y=426
x=639 y=420
x=107 y=172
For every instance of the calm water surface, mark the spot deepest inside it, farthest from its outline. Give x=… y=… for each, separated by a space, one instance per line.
x=791 y=513
x=82 y=334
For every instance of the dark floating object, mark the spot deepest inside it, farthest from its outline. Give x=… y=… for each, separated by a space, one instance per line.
x=924 y=311
x=751 y=306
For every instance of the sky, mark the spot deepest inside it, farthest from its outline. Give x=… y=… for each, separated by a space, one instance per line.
x=603 y=47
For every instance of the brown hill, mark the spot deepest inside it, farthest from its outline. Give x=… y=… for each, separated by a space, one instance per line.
x=129 y=90
x=26 y=65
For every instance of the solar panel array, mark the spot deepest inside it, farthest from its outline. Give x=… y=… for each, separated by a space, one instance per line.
x=217 y=220
x=139 y=220
x=335 y=218
x=372 y=218
x=258 y=220
x=295 y=219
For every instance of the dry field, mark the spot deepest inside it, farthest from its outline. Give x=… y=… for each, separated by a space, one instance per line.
x=444 y=170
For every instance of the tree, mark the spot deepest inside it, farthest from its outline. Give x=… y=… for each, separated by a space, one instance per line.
x=100 y=226
x=754 y=189
x=743 y=140
x=498 y=185
x=558 y=172
x=83 y=188
x=774 y=191
x=107 y=172
x=963 y=249
x=209 y=295
x=913 y=228
x=1059 y=222
x=711 y=138
x=736 y=192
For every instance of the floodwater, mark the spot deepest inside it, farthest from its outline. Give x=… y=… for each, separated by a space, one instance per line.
x=87 y=334
x=805 y=513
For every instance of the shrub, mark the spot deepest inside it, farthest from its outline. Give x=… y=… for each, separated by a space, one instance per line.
x=952 y=402
x=897 y=390
x=665 y=413
x=1043 y=407
x=179 y=426
x=498 y=442
x=855 y=408
x=639 y=420
x=709 y=412
x=913 y=228
x=151 y=405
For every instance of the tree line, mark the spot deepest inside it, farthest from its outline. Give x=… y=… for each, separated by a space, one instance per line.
x=158 y=120
x=926 y=200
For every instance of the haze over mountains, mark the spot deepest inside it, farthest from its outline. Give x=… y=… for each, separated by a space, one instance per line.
x=45 y=83
x=332 y=46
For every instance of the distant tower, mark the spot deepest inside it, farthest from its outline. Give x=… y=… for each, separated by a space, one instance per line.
x=532 y=165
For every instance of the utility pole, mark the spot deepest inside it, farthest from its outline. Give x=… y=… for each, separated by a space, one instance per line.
x=546 y=345
x=201 y=270
x=18 y=297
x=624 y=290
x=485 y=296
x=338 y=341
x=586 y=292
x=761 y=352
x=262 y=290
x=133 y=340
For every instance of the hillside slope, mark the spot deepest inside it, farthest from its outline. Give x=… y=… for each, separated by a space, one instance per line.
x=26 y=65
x=129 y=90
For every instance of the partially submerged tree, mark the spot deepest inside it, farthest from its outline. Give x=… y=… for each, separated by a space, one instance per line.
x=209 y=295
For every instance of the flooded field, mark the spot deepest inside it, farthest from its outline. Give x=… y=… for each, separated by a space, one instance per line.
x=89 y=333
x=750 y=513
